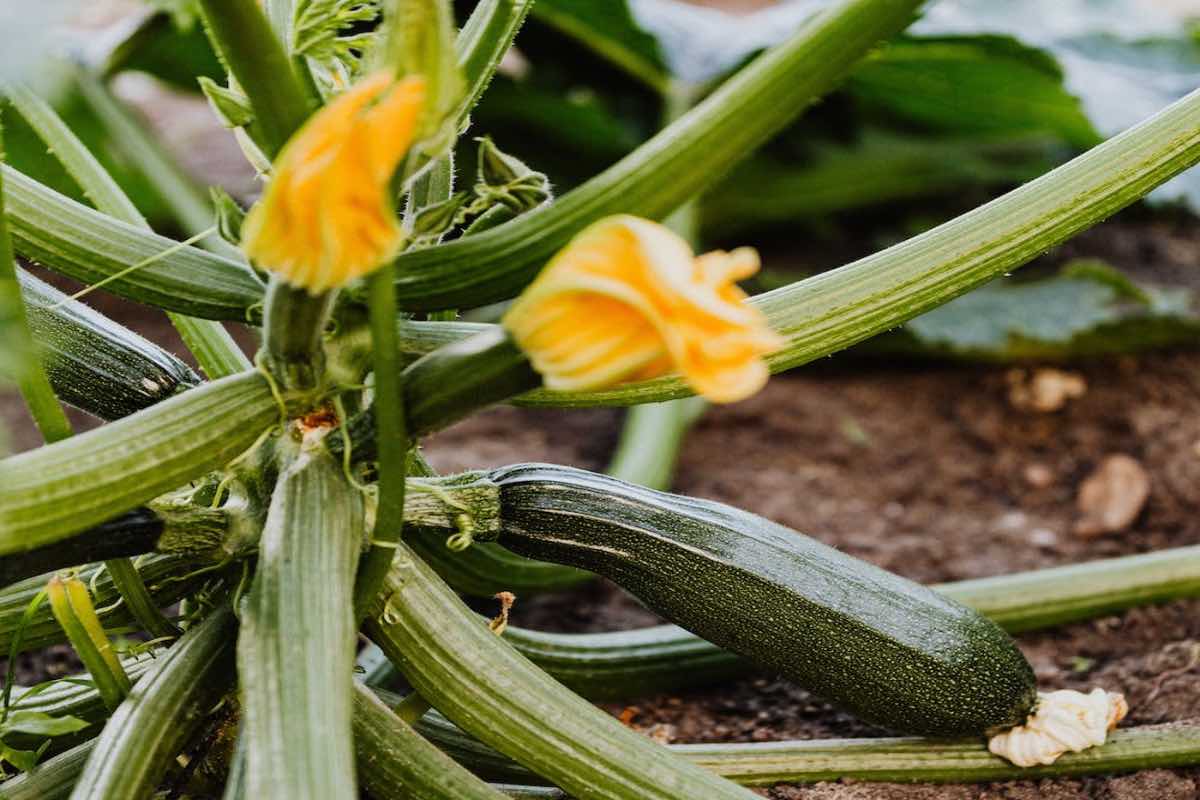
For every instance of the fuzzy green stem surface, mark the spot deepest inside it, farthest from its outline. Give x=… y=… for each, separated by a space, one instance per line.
x=667 y=170
x=392 y=443
x=143 y=738
x=296 y=645
x=460 y=666
x=254 y=55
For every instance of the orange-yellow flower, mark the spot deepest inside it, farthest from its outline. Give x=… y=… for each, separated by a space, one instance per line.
x=327 y=215
x=627 y=300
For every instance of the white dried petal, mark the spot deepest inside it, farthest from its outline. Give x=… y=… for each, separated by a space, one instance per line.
x=1063 y=721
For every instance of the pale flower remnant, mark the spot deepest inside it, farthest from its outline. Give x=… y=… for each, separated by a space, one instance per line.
x=1063 y=721
x=327 y=216
x=627 y=300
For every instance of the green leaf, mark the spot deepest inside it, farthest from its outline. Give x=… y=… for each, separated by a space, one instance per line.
x=24 y=760
x=1124 y=59
x=38 y=723
x=985 y=84
x=184 y=13
x=1090 y=308
x=608 y=27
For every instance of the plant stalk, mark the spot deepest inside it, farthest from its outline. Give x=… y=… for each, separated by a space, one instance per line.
x=254 y=56
x=461 y=667
x=143 y=738
x=296 y=646
x=392 y=443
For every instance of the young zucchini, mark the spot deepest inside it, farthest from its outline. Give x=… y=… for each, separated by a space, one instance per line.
x=895 y=653
x=95 y=364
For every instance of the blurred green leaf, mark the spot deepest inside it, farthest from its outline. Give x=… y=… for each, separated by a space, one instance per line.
x=877 y=167
x=983 y=84
x=609 y=28
x=1088 y=309
x=27 y=153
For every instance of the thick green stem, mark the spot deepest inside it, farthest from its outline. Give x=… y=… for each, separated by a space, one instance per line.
x=885 y=759
x=187 y=202
x=109 y=198
x=80 y=242
x=52 y=492
x=143 y=738
x=392 y=442
x=294 y=335
x=482 y=43
x=394 y=761
x=137 y=597
x=31 y=375
x=666 y=171
x=296 y=647
x=53 y=779
x=251 y=51
x=212 y=345
x=458 y=664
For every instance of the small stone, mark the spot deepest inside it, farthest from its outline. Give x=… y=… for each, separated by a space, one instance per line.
x=1111 y=498
x=1043 y=537
x=1011 y=521
x=1044 y=390
x=1038 y=475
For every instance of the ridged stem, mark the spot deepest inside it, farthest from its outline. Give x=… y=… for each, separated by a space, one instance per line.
x=294 y=333
x=395 y=761
x=52 y=492
x=666 y=171
x=296 y=646
x=482 y=43
x=460 y=666
x=254 y=55
x=392 y=443
x=81 y=243
x=142 y=739
x=167 y=579
x=901 y=760
x=53 y=779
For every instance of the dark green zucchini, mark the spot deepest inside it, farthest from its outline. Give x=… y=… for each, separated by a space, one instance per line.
x=95 y=364
x=895 y=653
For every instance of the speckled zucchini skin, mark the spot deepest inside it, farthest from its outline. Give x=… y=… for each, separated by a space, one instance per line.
x=892 y=651
x=95 y=364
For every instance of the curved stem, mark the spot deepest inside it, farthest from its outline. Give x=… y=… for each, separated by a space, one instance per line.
x=392 y=442
x=905 y=759
x=669 y=169
x=50 y=493
x=395 y=761
x=251 y=51
x=296 y=646
x=460 y=666
x=161 y=574
x=142 y=739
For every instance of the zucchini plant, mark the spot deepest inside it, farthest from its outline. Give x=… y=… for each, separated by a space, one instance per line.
x=216 y=550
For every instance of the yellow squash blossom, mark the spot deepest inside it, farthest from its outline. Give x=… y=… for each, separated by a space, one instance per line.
x=627 y=300
x=327 y=216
